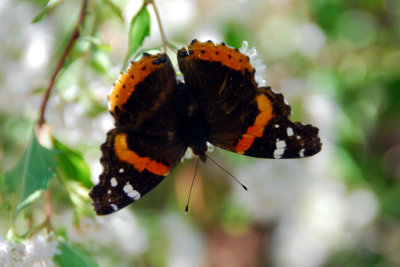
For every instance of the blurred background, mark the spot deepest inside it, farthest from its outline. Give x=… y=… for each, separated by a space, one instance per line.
x=338 y=64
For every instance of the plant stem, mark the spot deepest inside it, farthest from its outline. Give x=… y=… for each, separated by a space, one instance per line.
x=49 y=209
x=71 y=41
x=163 y=36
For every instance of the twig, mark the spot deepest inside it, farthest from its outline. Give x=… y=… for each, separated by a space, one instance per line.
x=49 y=209
x=163 y=36
x=71 y=41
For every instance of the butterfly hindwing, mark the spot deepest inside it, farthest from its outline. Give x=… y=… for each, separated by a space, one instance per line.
x=242 y=117
x=132 y=166
x=273 y=134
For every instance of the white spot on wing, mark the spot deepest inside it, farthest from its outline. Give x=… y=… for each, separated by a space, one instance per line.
x=301 y=153
x=134 y=194
x=113 y=182
x=109 y=191
x=289 y=131
x=280 y=143
x=121 y=170
x=276 y=125
x=127 y=188
x=278 y=153
x=280 y=148
x=298 y=137
x=114 y=207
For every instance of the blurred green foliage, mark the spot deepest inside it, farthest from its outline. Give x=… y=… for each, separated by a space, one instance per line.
x=71 y=256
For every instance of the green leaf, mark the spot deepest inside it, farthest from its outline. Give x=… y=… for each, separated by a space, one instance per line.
x=31 y=174
x=73 y=165
x=114 y=8
x=72 y=256
x=50 y=5
x=100 y=61
x=140 y=28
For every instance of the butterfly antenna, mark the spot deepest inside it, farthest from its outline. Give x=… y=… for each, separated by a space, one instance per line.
x=244 y=187
x=190 y=192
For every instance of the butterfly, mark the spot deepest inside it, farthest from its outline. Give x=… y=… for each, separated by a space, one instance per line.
x=158 y=117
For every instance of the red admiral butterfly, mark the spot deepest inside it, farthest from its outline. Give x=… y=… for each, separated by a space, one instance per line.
x=158 y=118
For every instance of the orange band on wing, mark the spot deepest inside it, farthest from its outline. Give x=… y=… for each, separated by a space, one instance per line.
x=138 y=162
x=228 y=56
x=125 y=85
x=257 y=129
x=244 y=143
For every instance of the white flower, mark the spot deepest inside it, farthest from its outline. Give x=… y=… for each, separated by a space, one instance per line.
x=5 y=252
x=38 y=251
x=256 y=62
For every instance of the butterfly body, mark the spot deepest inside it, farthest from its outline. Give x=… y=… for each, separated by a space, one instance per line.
x=192 y=126
x=157 y=118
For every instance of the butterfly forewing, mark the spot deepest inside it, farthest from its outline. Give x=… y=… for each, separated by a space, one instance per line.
x=145 y=145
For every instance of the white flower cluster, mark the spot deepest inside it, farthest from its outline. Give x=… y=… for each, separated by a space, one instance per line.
x=256 y=62
x=36 y=252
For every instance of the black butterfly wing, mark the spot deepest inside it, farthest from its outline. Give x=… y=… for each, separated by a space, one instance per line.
x=242 y=117
x=273 y=134
x=144 y=147
x=133 y=164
